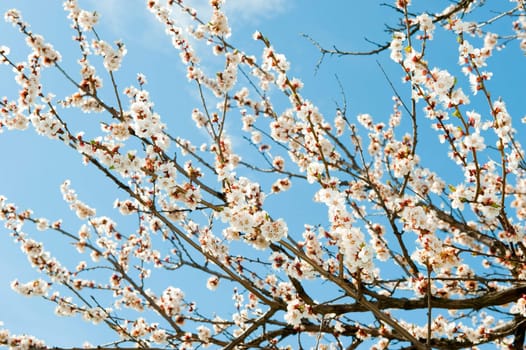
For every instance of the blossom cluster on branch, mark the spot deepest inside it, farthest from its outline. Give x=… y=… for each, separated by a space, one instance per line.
x=404 y=256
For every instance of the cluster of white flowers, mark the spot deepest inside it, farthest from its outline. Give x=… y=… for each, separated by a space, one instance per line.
x=218 y=24
x=82 y=210
x=256 y=227
x=45 y=262
x=145 y=122
x=473 y=59
x=112 y=57
x=179 y=41
x=396 y=46
x=95 y=315
x=359 y=182
x=41 y=49
x=357 y=254
x=520 y=28
x=45 y=123
x=520 y=306
x=171 y=301
x=204 y=334
x=312 y=245
x=425 y=24
x=12 y=116
x=296 y=268
x=297 y=311
x=36 y=288
x=19 y=342
x=87 y=19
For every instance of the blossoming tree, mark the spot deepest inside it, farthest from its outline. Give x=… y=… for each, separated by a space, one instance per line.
x=401 y=255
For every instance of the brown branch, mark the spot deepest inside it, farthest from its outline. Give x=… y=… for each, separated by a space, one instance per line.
x=258 y=323
x=387 y=303
x=490 y=242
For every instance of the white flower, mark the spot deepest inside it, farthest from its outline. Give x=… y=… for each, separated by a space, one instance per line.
x=426 y=24
x=474 y=142
x=256 y=137
x=218 y=24
x=212 y=283
x=314 y=172
x=275 y=230
x=87 y=19
x=396 y=46
x=159 y=336
x=520 y=306
x=204 y=333
x=42 y=224
x=171 y=301
x=34 y=288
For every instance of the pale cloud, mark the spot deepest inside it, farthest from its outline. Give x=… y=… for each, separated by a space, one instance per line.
x=130 y=19
x=117 y=15
x=255 y=10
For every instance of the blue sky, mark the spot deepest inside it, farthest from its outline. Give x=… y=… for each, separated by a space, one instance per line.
x=34 y=167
